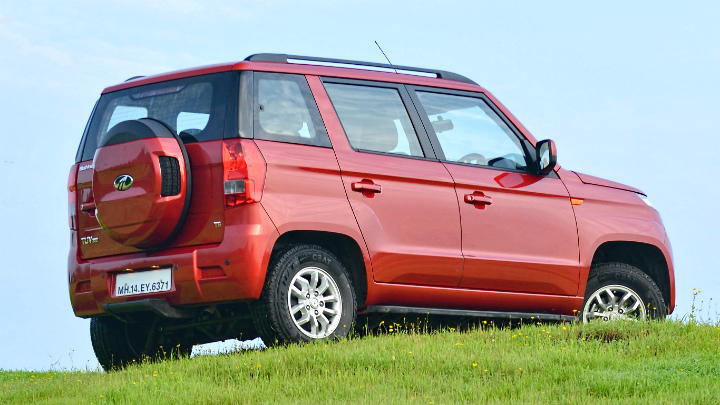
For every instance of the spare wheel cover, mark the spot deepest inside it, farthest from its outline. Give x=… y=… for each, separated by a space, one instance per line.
x=141 y=183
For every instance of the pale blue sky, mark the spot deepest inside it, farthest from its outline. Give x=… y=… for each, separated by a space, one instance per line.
x=628 y=90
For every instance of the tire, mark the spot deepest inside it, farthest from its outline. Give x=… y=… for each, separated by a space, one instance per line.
x=621 y=291
x=118 y=344
x=320 y=305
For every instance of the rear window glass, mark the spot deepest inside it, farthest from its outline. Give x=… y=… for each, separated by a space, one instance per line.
x=125 y=113
x=194 y=107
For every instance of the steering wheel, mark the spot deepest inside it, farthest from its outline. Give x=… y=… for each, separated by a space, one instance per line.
x=473 y=158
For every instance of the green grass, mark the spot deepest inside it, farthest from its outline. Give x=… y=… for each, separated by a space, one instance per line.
x=615 y=363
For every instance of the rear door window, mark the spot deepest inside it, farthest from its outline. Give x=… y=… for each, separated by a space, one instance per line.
x=194 y=107
x=375 y=119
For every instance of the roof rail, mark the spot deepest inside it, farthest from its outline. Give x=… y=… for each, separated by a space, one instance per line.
x=133 y=78
x=283 y=58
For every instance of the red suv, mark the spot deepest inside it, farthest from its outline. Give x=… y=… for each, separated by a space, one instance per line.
x=281 y=199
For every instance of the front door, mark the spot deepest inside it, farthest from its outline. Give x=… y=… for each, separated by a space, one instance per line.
x=518 y=228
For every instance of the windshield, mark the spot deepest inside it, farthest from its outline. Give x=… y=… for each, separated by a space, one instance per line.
x=194 y=107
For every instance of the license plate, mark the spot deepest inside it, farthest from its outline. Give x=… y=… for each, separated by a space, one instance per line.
x=143 y=282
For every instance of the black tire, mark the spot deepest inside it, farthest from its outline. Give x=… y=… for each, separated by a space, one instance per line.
x=118 y=344
x=272 y=312
x=622 y=280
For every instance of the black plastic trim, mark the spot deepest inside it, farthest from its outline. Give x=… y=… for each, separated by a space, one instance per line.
x=133 y=130
x=83 y=139
x=231 y=107
x=160 y=307
x=390 y=309
x=284 y=58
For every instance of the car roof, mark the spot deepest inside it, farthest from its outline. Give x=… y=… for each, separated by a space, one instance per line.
x=280 y=63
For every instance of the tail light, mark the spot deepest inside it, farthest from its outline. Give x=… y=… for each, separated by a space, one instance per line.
x=244 y=172
x=72 y=197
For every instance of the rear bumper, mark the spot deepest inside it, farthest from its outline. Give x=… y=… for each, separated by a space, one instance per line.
x=233 y=270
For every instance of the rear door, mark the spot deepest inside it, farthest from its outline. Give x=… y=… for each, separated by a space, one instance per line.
x=402 y=197
x=195 y=108
x=518 y=228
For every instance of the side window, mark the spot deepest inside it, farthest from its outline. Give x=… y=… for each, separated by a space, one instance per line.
x=285 y=110
x=469 y=131
x=374 y=119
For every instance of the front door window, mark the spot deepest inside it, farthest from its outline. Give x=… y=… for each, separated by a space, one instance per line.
x=469 y=131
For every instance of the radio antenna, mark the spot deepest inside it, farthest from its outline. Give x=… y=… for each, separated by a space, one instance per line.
x=386 y=57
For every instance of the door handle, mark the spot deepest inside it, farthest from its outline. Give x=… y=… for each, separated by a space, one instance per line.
x=366 y=187
x=478 y=199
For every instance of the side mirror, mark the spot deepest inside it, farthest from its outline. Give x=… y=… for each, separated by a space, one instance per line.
x=546 y=156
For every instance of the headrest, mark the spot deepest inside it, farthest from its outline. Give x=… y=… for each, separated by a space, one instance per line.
x=378 y=135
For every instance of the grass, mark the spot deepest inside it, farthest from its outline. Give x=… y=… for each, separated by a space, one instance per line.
x=622 y=363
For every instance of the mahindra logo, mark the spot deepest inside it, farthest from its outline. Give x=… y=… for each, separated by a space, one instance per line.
x=123 y=182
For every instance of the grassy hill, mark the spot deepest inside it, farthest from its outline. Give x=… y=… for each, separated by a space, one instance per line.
x=622 y=363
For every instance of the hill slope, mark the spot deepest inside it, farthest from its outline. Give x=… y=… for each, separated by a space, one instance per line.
x=628 y=363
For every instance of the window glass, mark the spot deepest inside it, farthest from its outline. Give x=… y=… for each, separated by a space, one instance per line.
x=469 y=131
x=126 y=113
x=191 y=123
x=374 y=119
x=285 y=110
x=194 y=107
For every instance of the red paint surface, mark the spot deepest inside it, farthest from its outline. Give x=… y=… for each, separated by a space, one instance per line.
x=614 y=215
x=303 y=190
x=247 y=245
x=525 y=241
x=206 y=206
x=139 y=216
x=411 y=227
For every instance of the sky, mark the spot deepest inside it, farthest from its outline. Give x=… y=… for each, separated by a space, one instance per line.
x=628 y=91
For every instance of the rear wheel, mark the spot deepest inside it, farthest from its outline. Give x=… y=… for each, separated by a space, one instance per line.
x=117 y=344
x=307 y=296
x=620 y=291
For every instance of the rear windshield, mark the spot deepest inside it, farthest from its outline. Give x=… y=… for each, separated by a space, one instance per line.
x=194 y=107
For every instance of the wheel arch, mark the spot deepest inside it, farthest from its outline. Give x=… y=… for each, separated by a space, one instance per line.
x=344 y=247
x=646 y=257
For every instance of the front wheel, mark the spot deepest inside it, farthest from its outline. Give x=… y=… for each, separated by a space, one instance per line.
x=619 y=291
x=308 y=295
